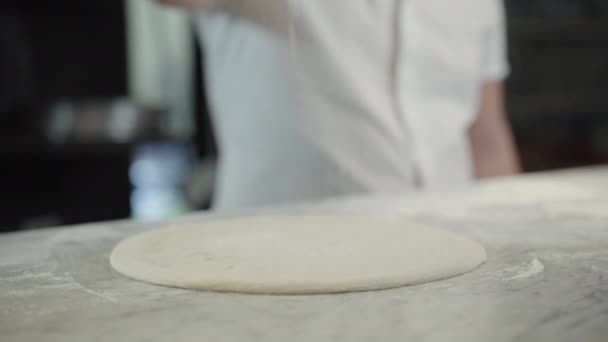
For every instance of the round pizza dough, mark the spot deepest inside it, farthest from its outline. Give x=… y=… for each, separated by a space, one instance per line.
x=296 y=255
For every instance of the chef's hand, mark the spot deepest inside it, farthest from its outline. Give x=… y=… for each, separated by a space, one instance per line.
x=190 y=4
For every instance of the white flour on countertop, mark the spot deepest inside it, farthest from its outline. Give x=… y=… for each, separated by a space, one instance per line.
x=524 y=270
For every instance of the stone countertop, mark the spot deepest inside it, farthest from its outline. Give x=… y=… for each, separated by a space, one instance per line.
x=546 y=278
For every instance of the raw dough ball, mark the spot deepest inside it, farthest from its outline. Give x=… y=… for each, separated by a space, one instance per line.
x=296 y=255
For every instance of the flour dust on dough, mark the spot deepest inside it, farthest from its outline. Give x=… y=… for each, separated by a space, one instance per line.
x=295 y=255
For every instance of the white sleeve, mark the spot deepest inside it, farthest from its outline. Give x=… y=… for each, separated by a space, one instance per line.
x=495 y=64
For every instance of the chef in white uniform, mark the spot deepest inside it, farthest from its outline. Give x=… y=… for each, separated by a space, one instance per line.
x=315 y=98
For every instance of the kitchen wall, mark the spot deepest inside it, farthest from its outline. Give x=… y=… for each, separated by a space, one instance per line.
x=558 y=90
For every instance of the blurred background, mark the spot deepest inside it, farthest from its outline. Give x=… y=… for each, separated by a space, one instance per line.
x=103 y=114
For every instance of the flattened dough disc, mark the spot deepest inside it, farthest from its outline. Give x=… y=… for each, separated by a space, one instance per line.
x=296 y=255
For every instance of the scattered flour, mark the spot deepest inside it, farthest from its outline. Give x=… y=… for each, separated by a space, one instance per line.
x=521 y=271
x=589 y=210
x=101 y=295
x=49 y=280
x=535 y=267
x=598 y=269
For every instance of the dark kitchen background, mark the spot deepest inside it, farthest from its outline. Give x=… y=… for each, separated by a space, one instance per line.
x=92 y=128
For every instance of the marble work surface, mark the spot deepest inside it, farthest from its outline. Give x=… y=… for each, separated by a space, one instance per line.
x=546 y=278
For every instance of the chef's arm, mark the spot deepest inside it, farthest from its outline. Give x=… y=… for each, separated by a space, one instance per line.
x=492 y=142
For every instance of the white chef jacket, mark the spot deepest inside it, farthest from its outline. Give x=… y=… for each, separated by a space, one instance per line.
x=318 y=98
